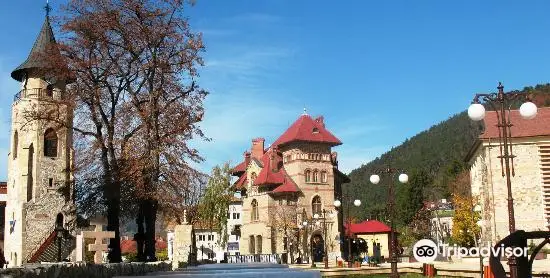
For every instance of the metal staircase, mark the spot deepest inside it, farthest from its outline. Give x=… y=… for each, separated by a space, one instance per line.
x=48 y=250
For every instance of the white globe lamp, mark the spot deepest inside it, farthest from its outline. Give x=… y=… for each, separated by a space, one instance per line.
x=316 y=216
x=375 y=179
x=476 y=112
x=357 y=202
x=528 y=110
x=337 y=203
x=403 y=178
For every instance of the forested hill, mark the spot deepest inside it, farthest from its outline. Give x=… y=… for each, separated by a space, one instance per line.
x=438 y=152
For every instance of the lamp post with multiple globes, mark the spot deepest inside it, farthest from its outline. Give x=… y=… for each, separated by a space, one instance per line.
x=338 y=204
x=501 y=103
x=403 y=178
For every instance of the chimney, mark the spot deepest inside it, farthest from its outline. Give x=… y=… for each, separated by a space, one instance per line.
x=246 y=158
x=273 y=161
x=257 y=147
x=320 y=120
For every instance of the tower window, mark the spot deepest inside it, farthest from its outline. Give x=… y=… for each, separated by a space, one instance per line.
x=50 y=182
x=308 y=176
x=255 y=214
x=15 y=144
x=316 y=205
x=323 y=176
x=315 y=176
x=49 y=90
x=50 y=143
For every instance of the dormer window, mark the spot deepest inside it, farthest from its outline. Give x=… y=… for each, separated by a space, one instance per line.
x=315 y=130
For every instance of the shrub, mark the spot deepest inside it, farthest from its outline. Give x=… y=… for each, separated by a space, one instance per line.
x=162 y=255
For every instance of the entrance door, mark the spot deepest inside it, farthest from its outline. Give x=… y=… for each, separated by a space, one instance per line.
x=318 y=248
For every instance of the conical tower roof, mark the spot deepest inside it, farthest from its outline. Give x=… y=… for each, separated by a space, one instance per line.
x=35 y=58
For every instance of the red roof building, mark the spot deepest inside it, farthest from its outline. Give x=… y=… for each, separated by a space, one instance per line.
x=529 y=175
x=369 y=227
x=538 y=126
x=297 y=176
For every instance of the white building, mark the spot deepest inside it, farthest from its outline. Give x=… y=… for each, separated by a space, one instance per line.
x=234 y=222
x=208 y=244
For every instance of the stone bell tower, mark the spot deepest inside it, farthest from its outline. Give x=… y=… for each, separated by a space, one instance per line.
x=40 y=209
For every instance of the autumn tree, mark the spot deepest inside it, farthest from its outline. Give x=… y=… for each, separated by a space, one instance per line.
x=465 y=219
x=136 y=105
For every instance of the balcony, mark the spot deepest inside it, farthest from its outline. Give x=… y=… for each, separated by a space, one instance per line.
x=38 y=93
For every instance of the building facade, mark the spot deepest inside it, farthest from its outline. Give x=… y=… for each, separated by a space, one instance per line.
x=234 y=224
x=283 y=185
x=530 y=184
x=40 y=188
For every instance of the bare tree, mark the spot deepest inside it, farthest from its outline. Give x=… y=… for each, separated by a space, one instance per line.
x=136 y=105
x=284 y=221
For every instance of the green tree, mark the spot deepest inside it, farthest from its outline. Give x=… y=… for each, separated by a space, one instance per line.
x=412 y=196
x=214 y=204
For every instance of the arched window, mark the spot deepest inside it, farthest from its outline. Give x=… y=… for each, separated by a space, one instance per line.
x=50 y=143
x=251 y=245
x=323 y=176
x=15 y=144
x=308 y=176
x=316 y=205
x=59 y=221
x=255 y=215
x=315 y=176
x=253 y=177
x=258 y=244
x=49 y=90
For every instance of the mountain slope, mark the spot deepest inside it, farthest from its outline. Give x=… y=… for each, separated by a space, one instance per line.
x=439 y=151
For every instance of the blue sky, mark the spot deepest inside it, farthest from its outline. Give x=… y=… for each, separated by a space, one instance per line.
x=379 y=71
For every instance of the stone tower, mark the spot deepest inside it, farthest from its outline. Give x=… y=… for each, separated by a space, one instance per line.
x=40 y=189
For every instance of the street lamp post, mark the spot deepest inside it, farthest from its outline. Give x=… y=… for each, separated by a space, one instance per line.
x=501 y=103
x=325 y=257
x=403 y=178
x=338 y=204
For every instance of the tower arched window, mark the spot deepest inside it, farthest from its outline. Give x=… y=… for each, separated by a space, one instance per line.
x=50 y=143
x=316 y=205
x=315 y=176
x=15 y=144
x=255 y=215
x=308 y=175
x=323 y=176
x=49 y=91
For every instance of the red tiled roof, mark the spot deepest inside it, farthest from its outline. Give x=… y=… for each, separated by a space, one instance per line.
x=240 y=182
x=307 y=129
x=538 y=126
x=369 y=226
x=267 y=175
x=241 y=167
x=288 y=186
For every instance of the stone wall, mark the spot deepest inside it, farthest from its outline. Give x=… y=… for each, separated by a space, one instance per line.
x=85 y=270
x=182 y=242
x=490 y=187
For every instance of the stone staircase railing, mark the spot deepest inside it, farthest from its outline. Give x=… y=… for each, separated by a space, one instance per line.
x=44 y=238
